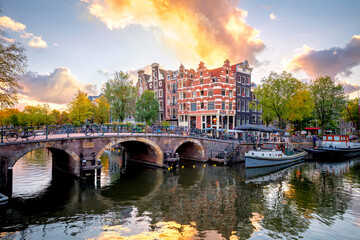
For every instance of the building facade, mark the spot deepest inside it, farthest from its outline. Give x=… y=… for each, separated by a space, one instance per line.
x=203 y=98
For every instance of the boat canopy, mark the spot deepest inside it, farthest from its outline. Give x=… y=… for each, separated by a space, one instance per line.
x=253 y=127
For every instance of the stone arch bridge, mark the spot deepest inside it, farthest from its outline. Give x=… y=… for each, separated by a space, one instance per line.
x=67 y=152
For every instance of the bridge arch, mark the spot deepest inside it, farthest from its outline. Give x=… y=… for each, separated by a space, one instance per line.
x=137 y=147
x=191 y=149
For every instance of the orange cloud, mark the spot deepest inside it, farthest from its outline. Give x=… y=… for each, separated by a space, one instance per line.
x=7 y=22
x=196 y=30
x=329 y=62
x=57 y=87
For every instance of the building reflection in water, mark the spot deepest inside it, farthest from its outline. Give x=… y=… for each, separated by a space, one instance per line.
x=194 y=202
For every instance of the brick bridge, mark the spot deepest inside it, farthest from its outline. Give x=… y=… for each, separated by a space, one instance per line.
x=67 y=152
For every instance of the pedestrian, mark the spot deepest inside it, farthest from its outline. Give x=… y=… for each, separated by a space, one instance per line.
x=314 y=141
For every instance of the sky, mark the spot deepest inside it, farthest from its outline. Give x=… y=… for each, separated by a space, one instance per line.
x=79 y=44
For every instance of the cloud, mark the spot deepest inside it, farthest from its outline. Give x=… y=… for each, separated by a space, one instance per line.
x=57 y=87
x=8 y=23
x=8 y=39
x=272 y=16
x=329 y=62
x=350 y=88
x=37 y=42
x=196 y=30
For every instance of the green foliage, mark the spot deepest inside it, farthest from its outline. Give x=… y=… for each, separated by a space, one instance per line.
x=147 y=108
x=284 y=97
x=80 y=108
x=165 y=123
x=121 y=94
x=101 y=110
x=13 y=64
x=353 y=106
x=329 y=100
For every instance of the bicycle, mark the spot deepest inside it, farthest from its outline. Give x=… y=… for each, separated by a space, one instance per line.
x=11 y=136
x=29 y=135
x=88 y=131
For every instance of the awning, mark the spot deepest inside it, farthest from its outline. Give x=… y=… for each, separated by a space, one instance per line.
x=312 y=128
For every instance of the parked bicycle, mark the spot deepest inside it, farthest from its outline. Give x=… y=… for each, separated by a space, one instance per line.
x=91 y=130
x=12 y=135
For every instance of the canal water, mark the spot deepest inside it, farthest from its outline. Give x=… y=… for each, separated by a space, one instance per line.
x=310 y=200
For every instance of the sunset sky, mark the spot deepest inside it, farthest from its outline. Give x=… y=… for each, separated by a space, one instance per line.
x=74 y=44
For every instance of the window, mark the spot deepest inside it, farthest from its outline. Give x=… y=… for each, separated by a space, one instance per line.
x=248 y=92
x=211 y=105
x=160 y=93
x=248 y=80
x=238 y=90
x=193 y=94
x=243 y=92
x=243 y=80
x=222 y=92
x=203 y=118
x=168 y=88
x=180 y=107
x=160 y=83
x=202 y=105
x=230 y=106
x=181 y=118
x=184 y=95
x=243 y=105
x=247 y=106
x=201 y=73
x=238 y=105
x=230 y=93
x=227 y=79
x=237 y=120
x=222 y=105
x=247 y=119
x=168 y=77
x=214 y=79
x=160 y=105
x=242 y=120
x=150 y=85
x=184 y=106
x=155 y=73
x=181 y=75
x=253 y=118
x=211 y=93
x=168 y=100
x=193 y=106
x=201 y=81
x=202 y=93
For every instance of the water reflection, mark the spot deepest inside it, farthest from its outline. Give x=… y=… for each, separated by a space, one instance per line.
x=308 y=200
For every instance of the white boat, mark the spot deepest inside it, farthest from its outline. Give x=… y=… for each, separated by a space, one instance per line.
x=272 y=154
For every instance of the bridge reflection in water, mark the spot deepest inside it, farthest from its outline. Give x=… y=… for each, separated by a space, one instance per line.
x=195 y=202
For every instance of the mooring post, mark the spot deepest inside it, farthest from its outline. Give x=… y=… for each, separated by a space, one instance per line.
x=225 y=158
x=9 y=181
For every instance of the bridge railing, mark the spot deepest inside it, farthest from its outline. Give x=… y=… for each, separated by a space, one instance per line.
x=11 y=134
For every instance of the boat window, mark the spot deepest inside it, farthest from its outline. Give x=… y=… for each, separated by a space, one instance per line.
x=324 y=138
x=342 y=139
x=336 y=138
x=330 y=138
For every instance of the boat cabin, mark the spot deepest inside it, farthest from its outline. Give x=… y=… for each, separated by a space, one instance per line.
x=276 y=146
x=335 y=141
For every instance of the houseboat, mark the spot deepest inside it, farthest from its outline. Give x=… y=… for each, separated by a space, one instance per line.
x=335 y=145
x=272 y=154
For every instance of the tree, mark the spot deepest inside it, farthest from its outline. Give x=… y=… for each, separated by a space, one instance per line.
x=352 y=107
x=80 y=108
x=329 y=100
x=101 y=110
x=121 y=94
x=283 y=96
x=147 y=107
x=13 y=64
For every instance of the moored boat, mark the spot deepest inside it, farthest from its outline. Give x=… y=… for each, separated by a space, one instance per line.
x=272 y=154
x=335 y=145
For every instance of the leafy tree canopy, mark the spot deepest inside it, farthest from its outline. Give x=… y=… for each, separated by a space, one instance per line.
x=147 y=108
x=329 y=100
x=80 y=108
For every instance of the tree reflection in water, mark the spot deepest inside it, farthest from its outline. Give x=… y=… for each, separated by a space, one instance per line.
x=194 y=202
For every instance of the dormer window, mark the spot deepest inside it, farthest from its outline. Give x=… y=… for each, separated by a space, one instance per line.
x=182 y=75
x=227 y=71
x=201 y=73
